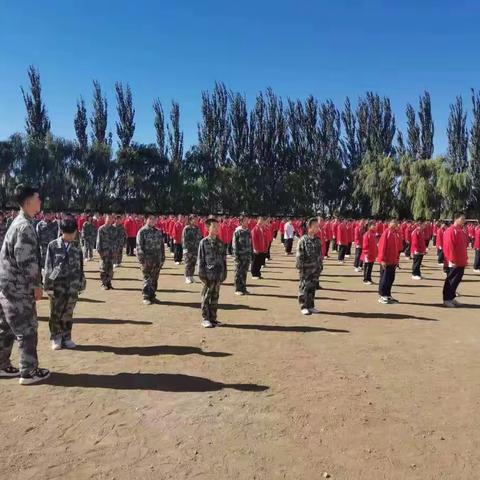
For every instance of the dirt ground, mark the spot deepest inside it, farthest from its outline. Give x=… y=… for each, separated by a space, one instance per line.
x=361 y=391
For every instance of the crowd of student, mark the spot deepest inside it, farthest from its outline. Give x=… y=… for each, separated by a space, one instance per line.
x=45 y=253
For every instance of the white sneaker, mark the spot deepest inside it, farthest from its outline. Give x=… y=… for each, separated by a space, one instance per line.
x=314 y=310
x=146 y=301
x=449 y=304
x=475 y=270
x=305 y=311
x=69 y=344
x=57 y=344
x=367 y=282
x=36 y=376
x=416 y=277
x=256 y=278
x=239 y=293
x=207 y=324
x=347 y=256
x=188 y=280
x=177 y=263
x=9 y=372
x=384 y=300
x=456 y=302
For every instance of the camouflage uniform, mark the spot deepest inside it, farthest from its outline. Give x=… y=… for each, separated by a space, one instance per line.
x=88 y=239
x=3 y=232
x=242 y=251
x=191 y=237
x=212 y=271
x=47 y=231
x=19 y=275
x=151 y=255
x=310 y=265
x=106 y=243
x=66 y=262
x=121 y=238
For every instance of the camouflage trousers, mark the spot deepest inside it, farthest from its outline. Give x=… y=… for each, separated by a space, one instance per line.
x=62 y=305
x=106 y=270
x=210 y=294
x=18 y=321
x=88 y=248
x=190 y=262
x=241 y=269
x=118 y=257
x=306 y=290
x=151 y=272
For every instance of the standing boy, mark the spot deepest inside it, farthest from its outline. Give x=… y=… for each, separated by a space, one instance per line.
x=418 y=249
x=369 y=252
x=191 y=237
x=242 y=252
x=151 y=255
x=63 y=280
x=259 y=249
x=106 y=244
x=388 y=252
x=309 y=264
x=212 y=271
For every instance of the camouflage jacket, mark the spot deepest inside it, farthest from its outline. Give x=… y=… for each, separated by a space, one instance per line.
x=191 y=237
x=67 y=261
x=88 y=232
x=150 y=245
x=120 y=237
x=47 y=232
x=242 y=243
x=309 y=255
x=106 y=240
x=20 y=259
x=3 y=232
x=212 y=260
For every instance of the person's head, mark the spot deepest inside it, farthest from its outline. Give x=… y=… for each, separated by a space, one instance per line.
x=192 y=220
x=312 y=225
x=212 y=226
x=393 y=224
x=109 y=219
x=260 y=221
x=68 y=227
x=372 y=225
x=321 y=221
x=28 y=199
x=150 y=219
x=243 y=221
x=459 y=219
x=180 y=218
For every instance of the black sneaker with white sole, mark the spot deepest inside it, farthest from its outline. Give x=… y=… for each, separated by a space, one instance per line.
x=38 y=375
x=9 y=372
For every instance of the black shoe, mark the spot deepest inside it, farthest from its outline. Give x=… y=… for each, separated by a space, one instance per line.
x=9 y=372
x=110 y=287
x=216 y=323
x=38 y=375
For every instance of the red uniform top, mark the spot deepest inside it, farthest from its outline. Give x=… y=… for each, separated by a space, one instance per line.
x=369 y=247
x=388 y=247
x=418 y=242
x=358 y=234
x=455 y=244
x=267 y=235
x=471 y=230
x=440 y=234
x=327 y=229
x=476 y=243
x=342 y=234
x=258 y=240
x=130 y=226
x=380 y=228
x=177 y=232
x=80 y=221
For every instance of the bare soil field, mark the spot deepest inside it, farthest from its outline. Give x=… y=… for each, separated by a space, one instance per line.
x=361 y=391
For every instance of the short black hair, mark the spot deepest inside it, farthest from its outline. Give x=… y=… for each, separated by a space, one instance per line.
x=210 y=220
x=23 y=193
x=457 y=215
x=311 y=221
x=68 y=225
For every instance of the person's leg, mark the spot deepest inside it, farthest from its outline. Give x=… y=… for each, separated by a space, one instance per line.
x=67 y=320
x=342 y=250
x=391 y=269
x=310 y=289
x=302 y=293
x=7 y=338
x=369 y=271
x=238 y=276
x=476 y=265
x=206 y=299
x=58 y=304
x=155 y=276
x=147 y=291
x=215 y=294
x=416 y=265
x=327 y=247
x=448 y=291
x=21 y=316
x=456 y=279
x=245 y=264
x=382 y=283
x=358 y=252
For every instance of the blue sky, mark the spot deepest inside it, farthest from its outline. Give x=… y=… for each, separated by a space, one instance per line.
x=176 y=49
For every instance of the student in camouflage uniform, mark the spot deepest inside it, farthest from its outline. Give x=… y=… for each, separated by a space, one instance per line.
x=3 y=228
x=20 y=288
x=242 y=252
x=121 y=238
x=151 y=255
x=63 y=280
x=212 y=271
x=89 y=236
x=191 y=237
x=106 y=243
x=47 y=230
x=309 y=265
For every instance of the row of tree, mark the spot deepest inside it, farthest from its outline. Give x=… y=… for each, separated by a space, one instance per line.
x=293 y=157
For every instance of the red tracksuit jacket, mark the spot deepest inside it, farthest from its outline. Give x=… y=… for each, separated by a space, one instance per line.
x=388 y=247
x=418 y=242
x=455 y=244
x=369 y=247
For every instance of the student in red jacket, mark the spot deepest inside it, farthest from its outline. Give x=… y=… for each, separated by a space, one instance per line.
x=357 y=240
x=369 y=252
x=342 y=241
x=418 y=249
x=177 y=232
x=455 y=244
x=130 y=226
x=388 y=249
x=259 y=250
x=476 y=246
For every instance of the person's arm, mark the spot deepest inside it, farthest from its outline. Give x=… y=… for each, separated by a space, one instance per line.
x=162 y=251
x=300 y=257
x=201 y=262
x=47 y=283
x=140 y=246
x=25 y=252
